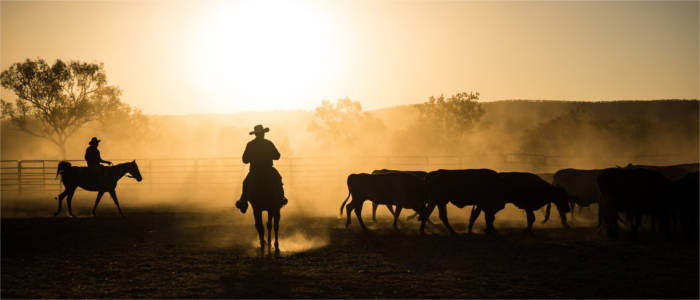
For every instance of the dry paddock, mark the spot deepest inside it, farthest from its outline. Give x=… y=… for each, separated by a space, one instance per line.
x=178 y=253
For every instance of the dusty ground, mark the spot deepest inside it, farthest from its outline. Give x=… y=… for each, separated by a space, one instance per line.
x=169 y=254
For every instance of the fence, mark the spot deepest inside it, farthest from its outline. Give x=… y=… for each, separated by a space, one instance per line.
x=226 y=174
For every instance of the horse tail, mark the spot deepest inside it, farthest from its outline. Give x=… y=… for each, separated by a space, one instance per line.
x=62 y=167
x=343 y=205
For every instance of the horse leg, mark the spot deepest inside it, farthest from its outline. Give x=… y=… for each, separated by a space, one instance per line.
x=97 y=201
x=60 y=201
x=269 y=229
x=476 y=211
x=114 y=197
x=68 y=202
x=530 y=219
x=277 y=229
x=396 y=216
x=257 y=214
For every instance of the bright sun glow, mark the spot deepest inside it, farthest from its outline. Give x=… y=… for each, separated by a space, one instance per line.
x=260 y=55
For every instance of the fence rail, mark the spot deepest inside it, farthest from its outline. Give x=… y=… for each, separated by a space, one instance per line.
x=226 y=174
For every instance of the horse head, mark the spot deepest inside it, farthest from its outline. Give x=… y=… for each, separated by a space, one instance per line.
x=134 y=171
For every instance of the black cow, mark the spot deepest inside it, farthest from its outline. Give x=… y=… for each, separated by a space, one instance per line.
x=634 y=192
x=685 y=193
x=529 y=192
x=581 y=186
x=420 y=174
x=671 y=172
x=479 y=187
x=401 y=189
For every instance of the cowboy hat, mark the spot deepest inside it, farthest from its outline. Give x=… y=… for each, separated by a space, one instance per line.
x=94 y=141
x=259 y=129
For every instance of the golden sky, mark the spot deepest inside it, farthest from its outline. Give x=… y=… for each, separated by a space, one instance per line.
x=181 y=57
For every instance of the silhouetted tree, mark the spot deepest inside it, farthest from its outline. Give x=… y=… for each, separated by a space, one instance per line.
x=446 y=120
x=54 y=101
x=344 y=123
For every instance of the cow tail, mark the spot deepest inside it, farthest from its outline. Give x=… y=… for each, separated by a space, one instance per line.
x=343 y=205
x=546 y=213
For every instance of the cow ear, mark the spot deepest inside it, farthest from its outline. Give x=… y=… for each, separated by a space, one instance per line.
x=133 y=161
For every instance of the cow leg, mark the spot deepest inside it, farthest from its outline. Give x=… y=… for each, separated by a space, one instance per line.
x=573 y=205
x=68 y=203
x=562 y=216
x=60 y=201
x=257 y=214
x=97 y=201
x=530 y=219
x=348 y=210
x=358 y=213
x=425 y=217
x=277 y=229
x=116 y=201
x=396 y=216
x=374 y=211
x=476 y=211
x=490 y=218
x=635 y=222
x=442 y=210
x=269 y=230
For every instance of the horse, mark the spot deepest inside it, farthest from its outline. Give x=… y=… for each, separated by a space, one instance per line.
x=264 y=192
x=74 y=177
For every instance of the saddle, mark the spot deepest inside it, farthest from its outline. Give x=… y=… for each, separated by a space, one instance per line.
x=96 y=175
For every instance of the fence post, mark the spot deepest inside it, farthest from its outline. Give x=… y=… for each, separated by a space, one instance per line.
x=43 y=176
x=19 y=175
x=196 y=172
x=150 y=173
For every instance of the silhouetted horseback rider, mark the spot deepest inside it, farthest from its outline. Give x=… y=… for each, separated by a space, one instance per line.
x=260 y=153
x=92 y=156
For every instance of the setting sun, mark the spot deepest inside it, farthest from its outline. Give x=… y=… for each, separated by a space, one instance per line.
x=261 y=55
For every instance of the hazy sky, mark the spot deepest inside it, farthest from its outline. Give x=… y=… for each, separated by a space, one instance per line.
x=183 y=57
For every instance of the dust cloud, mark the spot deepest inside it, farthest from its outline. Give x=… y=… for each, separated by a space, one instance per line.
x=192 y=163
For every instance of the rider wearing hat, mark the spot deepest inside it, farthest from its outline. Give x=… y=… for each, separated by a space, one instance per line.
x=92 y=156
x=260 y=153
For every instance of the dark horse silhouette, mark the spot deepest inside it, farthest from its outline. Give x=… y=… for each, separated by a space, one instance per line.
x=263 y=193
x=74 y=177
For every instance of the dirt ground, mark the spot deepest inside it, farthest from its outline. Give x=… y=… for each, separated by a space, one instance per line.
x=213 y=254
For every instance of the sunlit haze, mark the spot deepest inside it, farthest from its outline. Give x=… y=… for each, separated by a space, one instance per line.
x=182 y=57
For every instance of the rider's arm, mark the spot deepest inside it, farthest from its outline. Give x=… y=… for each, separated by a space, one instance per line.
x=99 y=158
x=246 y=155
x=275 y=153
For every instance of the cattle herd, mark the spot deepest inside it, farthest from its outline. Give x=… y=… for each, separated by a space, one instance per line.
x=666 y=196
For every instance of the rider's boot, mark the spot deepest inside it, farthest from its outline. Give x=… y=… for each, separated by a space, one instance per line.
x=242 y=204
x=284 y=199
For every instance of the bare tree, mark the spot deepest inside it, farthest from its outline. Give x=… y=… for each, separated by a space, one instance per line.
x=54 y=101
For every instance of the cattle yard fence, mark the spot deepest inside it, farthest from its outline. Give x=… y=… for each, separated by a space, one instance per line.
x=226 y=174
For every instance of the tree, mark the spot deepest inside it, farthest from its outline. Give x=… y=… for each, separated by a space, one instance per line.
x=344 y=123
x=449 y=119
x=54 y=101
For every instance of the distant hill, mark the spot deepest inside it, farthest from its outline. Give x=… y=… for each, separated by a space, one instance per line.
x=554 y=128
